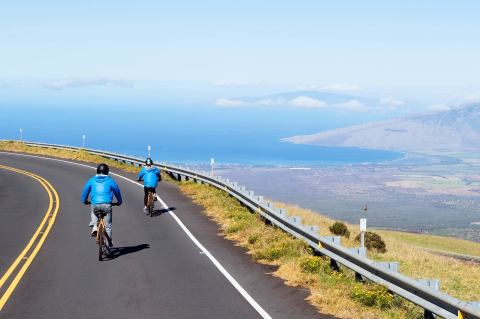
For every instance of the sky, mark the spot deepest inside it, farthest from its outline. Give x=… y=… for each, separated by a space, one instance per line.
x=217 y=51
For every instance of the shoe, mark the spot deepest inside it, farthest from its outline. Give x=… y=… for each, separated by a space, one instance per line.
x=145 y=210
x=91 y=224
x=94 y=233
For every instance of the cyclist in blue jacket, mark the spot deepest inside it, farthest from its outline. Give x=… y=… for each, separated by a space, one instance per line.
x=101 y=189
x=151 y=176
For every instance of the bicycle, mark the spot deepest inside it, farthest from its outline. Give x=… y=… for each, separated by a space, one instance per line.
x=102 y=237
x=150 y=203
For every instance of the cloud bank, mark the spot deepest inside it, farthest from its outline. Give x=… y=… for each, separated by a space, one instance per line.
x=391 y=101
x=84 y=82
x=297 y=102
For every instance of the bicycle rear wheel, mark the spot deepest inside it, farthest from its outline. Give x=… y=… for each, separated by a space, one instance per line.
x=150 y=204
x=100 y=241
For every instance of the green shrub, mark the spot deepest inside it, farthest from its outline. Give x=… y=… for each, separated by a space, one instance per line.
x=340 y=229
x=373 y=295
x=282 y=248
x=311 y=264
x=373 y=241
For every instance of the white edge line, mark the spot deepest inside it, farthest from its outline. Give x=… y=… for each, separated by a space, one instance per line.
x=224 y=272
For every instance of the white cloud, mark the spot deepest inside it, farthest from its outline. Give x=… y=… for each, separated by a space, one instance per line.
x=271 y=102
x=353 y=105
x=306 y=102
x=438 y=108
x=83 y=82
x=391 y=101
x=229 y=102
x=334 y=87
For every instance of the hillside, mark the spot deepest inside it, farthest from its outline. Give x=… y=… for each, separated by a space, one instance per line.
x=454 y=130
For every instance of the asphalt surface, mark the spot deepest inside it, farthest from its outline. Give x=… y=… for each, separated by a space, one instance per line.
x=157 y=271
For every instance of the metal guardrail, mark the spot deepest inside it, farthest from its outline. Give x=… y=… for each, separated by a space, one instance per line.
x=433 y=301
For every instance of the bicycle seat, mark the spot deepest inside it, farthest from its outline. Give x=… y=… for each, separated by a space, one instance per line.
x=100 y=213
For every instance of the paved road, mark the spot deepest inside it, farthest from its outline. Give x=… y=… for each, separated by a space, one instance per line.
x=157 y=270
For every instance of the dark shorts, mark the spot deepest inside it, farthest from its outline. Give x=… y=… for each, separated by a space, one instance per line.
x=149 y=189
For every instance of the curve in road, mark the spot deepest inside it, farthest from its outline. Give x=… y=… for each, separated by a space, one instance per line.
x=157 y=271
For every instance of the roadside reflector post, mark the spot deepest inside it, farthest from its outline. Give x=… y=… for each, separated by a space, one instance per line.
x=363 y=229
x=212 y=164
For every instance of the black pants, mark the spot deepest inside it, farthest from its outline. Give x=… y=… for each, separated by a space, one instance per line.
x=146 y=190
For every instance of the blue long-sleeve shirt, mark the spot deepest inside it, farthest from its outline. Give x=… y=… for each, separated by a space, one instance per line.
x=150 y=176
x=101 y=189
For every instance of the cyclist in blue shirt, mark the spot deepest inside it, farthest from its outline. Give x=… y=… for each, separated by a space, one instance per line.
x=101 y=189
x=151 y=176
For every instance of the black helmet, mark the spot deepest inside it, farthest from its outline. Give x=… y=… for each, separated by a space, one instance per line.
x=149 y=161
x=102 y=169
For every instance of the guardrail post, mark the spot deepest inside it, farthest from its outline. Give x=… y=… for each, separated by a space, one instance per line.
x=435 y=285
x=334 y=265
x=390 y=265
x=362 y=252
x=251 y=194
x=313 y=229
x=297 y=220
x=259 y=199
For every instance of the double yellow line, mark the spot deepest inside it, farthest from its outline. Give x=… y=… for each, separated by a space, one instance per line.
x=16 y=271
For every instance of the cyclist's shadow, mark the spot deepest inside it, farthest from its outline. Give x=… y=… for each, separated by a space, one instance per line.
x=120 y=251
x=159 y=212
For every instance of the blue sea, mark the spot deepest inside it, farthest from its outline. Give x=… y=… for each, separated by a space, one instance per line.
x=189 y=134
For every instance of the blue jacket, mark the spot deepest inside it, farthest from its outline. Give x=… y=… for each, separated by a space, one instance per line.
x=101 y=189
x=150 y=176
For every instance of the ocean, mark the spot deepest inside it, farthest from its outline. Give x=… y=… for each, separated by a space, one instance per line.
x=188 y=135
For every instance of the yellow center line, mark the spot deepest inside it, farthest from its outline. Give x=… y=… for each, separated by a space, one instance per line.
x=48 y=219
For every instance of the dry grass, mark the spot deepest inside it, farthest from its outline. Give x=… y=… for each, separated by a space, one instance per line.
x=298 y=267
x=458 y=278
x=82 y=156
x=331 y=292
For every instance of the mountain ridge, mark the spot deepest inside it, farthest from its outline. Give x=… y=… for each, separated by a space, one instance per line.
x=457 y=129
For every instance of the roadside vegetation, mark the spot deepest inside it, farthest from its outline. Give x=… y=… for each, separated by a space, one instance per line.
x=331 y=292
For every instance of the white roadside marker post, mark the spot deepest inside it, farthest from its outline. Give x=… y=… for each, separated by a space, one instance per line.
x=212 y=163
x=363 y=229
x=83 y=141
x=149 y=149
x=21 y=135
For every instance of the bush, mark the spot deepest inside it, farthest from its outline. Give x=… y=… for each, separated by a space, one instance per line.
x=340 y=229
x=373 y=295
x=311 y=264
x=373 y=241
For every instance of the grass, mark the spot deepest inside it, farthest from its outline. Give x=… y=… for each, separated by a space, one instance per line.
x=297 y=266
x=80 y=155
x=458 y=278
x=331 y=292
